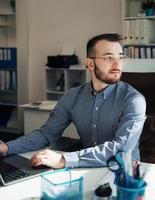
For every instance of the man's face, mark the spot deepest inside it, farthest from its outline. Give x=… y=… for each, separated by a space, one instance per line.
x=108 y=61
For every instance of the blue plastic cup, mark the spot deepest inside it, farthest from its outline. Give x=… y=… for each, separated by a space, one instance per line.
x=124 y=193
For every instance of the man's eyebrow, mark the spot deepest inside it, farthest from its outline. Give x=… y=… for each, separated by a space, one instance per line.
x=113 y=54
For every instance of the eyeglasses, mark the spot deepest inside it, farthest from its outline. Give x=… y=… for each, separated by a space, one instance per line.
x=111 y=59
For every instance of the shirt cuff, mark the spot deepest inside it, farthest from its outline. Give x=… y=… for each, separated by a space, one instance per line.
x=12 y=147
x=72 y=159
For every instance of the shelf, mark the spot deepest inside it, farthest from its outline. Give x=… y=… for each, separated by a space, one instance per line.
x=8 y=104
x=63 y=79
x=7 y=13
x=67 y=69
x=139 y=65
x=145 y=17
x=9 y=112
x=56 y=68
x=8 y=69
x=9 y=91
x=132 y=9
x=54 y=92
x=76 y=69
x=8 y=130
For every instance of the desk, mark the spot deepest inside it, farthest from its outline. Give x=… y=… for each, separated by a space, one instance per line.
x=32 y=187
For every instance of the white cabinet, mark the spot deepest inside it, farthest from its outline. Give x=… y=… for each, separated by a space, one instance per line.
x=59 y=80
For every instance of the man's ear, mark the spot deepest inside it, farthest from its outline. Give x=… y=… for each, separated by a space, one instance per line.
x=89 y=63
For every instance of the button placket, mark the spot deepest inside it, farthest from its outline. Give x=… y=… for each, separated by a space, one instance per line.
x=97 y=104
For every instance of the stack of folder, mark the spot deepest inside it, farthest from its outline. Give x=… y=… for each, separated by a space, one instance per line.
x=139 y=31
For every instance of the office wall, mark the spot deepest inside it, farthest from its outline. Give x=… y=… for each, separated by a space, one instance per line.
x=52 y=23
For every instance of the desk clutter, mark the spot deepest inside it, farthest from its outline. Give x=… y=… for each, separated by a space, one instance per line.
x=129 y=178
x=41 y=105
x=65 y=188
x=126 y=180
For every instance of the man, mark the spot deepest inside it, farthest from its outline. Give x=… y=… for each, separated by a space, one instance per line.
x=108 y=114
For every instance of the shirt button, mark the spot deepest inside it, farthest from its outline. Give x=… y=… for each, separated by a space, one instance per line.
x=94 y=125
x=96 y=108
x=94 y=143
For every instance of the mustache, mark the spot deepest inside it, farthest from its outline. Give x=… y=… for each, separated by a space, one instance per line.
x=115 y=70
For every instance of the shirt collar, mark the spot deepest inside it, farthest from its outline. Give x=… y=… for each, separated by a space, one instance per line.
x=105 y=92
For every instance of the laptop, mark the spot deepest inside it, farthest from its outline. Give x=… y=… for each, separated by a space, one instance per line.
x=17 y=168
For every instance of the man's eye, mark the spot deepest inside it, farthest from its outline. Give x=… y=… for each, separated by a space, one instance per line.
x=109 y=58
x=121 y=57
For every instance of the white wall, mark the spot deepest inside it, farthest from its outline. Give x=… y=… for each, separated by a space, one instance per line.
x=52 y=23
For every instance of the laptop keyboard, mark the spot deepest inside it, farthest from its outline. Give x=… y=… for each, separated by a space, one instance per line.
x=11 y=173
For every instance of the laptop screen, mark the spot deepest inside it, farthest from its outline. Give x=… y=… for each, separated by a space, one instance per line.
x=17 y=168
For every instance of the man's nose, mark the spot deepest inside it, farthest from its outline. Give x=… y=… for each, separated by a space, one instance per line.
x=117 y=61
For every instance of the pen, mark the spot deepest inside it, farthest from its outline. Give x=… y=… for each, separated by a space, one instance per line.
x=136 y=170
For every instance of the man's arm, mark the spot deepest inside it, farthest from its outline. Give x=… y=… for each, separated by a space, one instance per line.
x=51 y=131
x=126 y=137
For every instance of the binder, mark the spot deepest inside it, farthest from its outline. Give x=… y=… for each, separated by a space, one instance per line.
x=153 y=52
x=2 y=80
x=147 y=31
x=148 y=51
x=7 y=80
x=142 y=52
x=131 y=52
x=131 y=31
x=137 y=32
x=126 y=30
x=136 y=52
x=126 y=50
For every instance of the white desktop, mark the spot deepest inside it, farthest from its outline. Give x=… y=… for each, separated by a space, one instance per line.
x=31 y=189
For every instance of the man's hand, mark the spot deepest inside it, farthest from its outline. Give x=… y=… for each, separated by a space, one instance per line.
x=3 y=149
x=49 y=158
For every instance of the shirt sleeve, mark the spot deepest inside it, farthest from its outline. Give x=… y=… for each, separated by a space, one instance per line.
x=51 y=131
x=126 y=137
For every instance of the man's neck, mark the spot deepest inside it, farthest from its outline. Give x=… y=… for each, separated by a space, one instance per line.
x=98 y=85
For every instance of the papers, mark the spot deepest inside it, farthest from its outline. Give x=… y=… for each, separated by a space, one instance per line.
x=41 y=105
x=67 y=50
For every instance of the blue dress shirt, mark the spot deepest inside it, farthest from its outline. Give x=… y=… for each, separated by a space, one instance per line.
x=107 y=121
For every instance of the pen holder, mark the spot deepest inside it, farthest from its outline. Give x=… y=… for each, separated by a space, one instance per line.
x=60 y=185
x=125 y=193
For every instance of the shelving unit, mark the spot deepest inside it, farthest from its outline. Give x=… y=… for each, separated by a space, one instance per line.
x=8 y=69
x=59 y=80
x=139 y=37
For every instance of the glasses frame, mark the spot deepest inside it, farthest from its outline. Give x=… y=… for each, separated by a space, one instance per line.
x=110 y=58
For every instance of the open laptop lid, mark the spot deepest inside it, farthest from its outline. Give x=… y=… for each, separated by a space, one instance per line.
x=23 y=163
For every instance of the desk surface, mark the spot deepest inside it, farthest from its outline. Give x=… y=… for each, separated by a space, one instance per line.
x=27 y=189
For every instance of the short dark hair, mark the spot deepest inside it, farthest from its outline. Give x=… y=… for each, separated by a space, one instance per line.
x=112 y=37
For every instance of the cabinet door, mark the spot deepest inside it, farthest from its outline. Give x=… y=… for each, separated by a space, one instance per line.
x=131 y=8
x=55 y=83
x=75 y=77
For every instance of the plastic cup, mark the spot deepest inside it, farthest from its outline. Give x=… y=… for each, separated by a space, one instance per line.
x=124 y=193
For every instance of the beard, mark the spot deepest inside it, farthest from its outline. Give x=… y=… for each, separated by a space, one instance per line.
x=105 y=78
